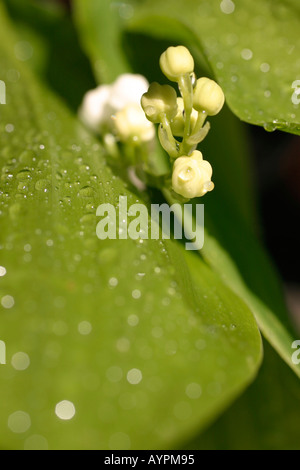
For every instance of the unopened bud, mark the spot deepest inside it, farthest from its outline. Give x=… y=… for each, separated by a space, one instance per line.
x=208 y=96
x=159 y=100
x=176 y=62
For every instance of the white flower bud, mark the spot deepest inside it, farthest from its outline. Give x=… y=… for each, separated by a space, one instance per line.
x=175 y=62
x=100 y=104
x=131 y=125
x=192 y=176
x=159 y=100
x=127 y=89
x=95 y=111
x=177 y=125
x=208 y=96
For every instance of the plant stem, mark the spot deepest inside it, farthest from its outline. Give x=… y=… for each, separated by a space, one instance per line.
x=167 y=127
x=186 y=90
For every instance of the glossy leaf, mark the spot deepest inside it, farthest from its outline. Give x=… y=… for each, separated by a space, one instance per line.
x=266 y=416
x=252 y=48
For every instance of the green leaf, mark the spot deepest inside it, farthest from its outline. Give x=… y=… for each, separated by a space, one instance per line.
x=252 y=48
x=266 y=417
x=140 y=339
x=102 y=39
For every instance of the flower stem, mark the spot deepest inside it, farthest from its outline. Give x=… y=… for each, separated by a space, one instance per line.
x=186 y=90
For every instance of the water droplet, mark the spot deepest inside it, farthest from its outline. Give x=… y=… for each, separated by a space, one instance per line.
x=90 y=207
x=2 y=271
x=270 y=127
x=114 y=374
x=20 y=361
x=22 y=187
x=23 y=51
x=9 y=128
x=133 y=320
x=19 y=422
x=247 y=54
x=265 y=67
x=134 y=376
x=42 y=185
x=136 y=294
x=85 y=328
x=193 y=391
x=113 y=282
x=86 y=191
x=24 y=175
x=65 y=410
x=227 y=6
x=7 y=301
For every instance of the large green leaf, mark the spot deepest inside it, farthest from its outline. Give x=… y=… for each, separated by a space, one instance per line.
x=103 y=42
x=231 y=247
x=143 y=341
x=266 y=417
x=253 y=49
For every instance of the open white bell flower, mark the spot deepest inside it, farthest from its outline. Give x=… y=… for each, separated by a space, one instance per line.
x=131 y=125
x=192 y=176
x=101 y=103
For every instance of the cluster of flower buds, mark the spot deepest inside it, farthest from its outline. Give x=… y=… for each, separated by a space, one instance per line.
x=184 y=118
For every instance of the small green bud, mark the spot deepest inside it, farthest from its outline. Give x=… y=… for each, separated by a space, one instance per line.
x=176 y=62
x=159 y=100
x=208 y=96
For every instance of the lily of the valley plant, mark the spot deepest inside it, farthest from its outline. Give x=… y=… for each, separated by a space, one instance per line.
x=127 y=111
